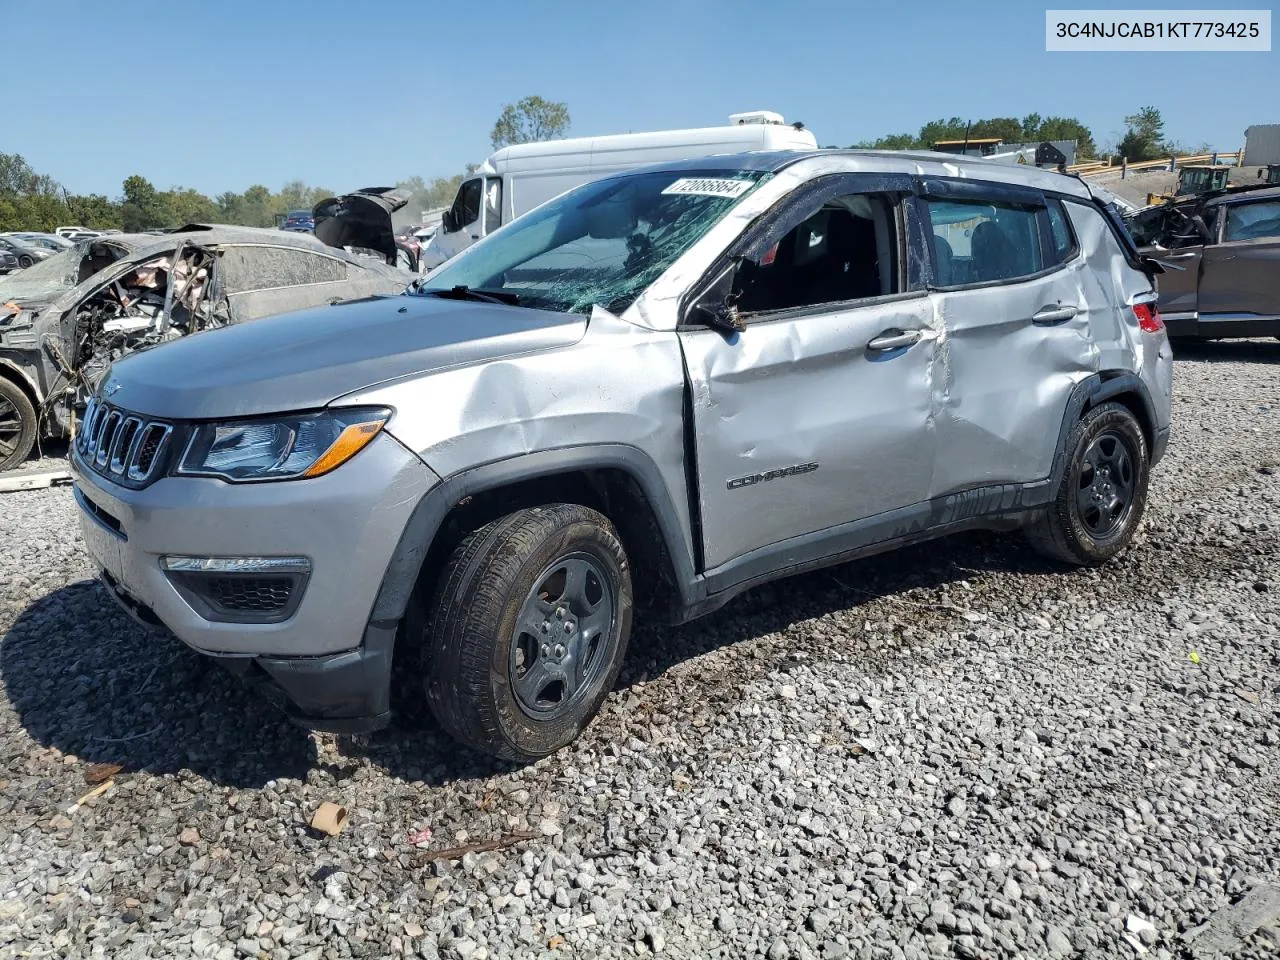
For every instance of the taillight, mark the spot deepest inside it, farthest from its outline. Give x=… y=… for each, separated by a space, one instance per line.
x=1148 y=317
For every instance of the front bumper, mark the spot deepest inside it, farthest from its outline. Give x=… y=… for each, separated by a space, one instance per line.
x=331 y=668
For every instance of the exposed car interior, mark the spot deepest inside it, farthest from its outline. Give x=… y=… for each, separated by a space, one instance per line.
x=844 y=251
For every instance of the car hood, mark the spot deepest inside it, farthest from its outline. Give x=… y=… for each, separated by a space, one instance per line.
x=361 y=219
x=306 y=360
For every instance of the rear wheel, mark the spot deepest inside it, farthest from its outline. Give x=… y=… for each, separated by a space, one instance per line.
x=25 y=260
x=18 y=425
x=528 y=630
x=1103 y=492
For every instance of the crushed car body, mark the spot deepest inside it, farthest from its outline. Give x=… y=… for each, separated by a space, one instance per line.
x=64 y=321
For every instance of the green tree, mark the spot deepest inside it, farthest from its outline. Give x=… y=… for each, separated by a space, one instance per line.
x=1066 y=128
x=189 y=206
x=142 y=207
x=93 y=211
x=1144 y=136
x=530 y=120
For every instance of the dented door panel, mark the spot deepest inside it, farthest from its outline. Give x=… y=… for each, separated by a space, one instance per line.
x=799 y=427
x=1004 y=378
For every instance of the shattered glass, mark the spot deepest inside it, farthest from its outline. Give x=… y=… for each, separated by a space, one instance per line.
x=55 y=275
x=601 y=244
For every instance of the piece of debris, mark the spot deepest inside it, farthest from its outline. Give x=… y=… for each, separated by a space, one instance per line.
x=189 y=837
x=417 y=837
x=1247 y=695
x=1193 y=657
x=1226 y=929
x=329 y=818
x=101 y=772
x=34 y=480
x=481 y=846
x=97 y=791
x=1136 y=924
x=1134 y=942
x=555 y=942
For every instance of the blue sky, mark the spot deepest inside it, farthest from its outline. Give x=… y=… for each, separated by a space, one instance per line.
x=220 y=96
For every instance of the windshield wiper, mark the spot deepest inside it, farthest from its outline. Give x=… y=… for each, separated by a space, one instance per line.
x=502 y=297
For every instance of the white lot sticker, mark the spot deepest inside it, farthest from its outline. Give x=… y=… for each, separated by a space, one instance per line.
x=709 y=187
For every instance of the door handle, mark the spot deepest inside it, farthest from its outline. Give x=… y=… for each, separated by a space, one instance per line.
x=1054 y=314
x=894 y=339
x=1180 y=256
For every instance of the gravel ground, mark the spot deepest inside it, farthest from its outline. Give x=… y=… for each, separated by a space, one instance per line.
x=955 y=750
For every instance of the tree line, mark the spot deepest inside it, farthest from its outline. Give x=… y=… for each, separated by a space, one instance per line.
x=1143 y=138
x=35 y=201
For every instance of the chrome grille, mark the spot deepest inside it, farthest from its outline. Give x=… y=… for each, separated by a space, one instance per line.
x=121 y=446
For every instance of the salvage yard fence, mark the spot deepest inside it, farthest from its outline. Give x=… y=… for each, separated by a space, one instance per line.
x=1091 y=168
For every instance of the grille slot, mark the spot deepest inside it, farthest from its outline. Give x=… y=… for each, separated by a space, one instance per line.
x=250 y=594
x=121 y=446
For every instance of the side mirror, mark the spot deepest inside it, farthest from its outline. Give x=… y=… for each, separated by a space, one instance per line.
x=717 y=315
x=448 y=221
x=715 y=306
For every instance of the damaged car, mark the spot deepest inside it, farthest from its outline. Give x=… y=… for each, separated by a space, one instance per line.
x=1221 y=257
x=651 y=393
x=64 y=321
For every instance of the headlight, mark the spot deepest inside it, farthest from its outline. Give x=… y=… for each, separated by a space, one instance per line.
x=280 y=448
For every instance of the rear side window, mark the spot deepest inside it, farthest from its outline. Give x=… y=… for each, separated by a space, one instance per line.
x=977 y=241
x=262 y=268
x=1060 y=235
x=1252 y=221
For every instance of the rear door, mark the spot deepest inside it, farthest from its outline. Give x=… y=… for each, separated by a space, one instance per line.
x=1240 y=278
x=1016 y=331
x=818 y=412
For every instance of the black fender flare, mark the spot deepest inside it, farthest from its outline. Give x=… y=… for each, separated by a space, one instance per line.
x=405 y=566
x=1093 y=390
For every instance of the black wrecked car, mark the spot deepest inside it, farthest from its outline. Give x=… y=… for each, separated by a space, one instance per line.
x=66 y=319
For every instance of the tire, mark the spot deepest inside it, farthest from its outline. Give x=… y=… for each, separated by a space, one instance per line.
x=559 y=570
x=18 y=425
x=1096 y=512
x=25 y=261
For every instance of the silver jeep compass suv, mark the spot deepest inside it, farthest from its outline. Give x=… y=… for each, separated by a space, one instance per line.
x=652 y=393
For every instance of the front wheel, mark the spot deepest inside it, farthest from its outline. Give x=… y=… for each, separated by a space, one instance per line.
x=528 y=630
x=1103 y=492
x=25 y=261
x=18 y=425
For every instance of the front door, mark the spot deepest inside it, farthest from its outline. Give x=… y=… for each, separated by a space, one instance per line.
x=818 y=412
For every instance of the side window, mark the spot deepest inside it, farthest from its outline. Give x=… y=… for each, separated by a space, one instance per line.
x=492 y=204
x=262 y=268
x=1060 y=235
x=467 y=205
x=847 y=249
x=1252 y=221
x=976 y=241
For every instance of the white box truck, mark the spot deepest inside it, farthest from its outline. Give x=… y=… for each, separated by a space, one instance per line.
x=514 y=180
